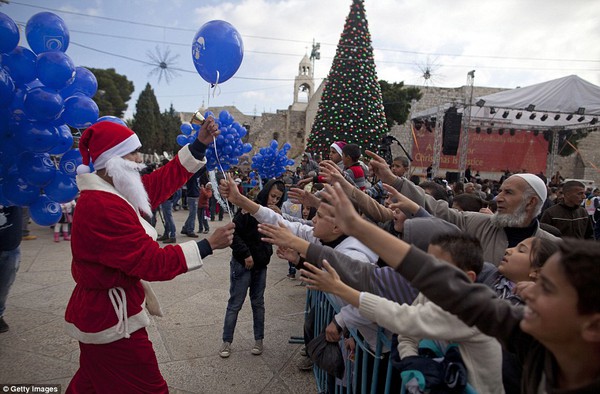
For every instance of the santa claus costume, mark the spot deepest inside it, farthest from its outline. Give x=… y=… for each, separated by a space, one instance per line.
x=113 y=250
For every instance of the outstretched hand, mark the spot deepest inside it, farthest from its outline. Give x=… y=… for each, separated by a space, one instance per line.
x=208 y=131
x=326 y=279
x=303 y=197
x=339 y=206
x=222 y=237
x=380 y=167
x=276 y=234
x=332 y=173
x=228 y=189
x=401 y=202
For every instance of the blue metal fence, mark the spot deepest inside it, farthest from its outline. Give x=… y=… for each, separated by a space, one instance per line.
x=364 y=368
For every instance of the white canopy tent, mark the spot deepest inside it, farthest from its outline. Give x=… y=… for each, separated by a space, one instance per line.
x=568 y=103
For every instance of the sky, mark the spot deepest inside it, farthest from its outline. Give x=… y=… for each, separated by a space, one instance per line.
x=509 y=43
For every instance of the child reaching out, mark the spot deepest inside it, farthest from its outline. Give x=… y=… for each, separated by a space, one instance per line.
x=556 y=336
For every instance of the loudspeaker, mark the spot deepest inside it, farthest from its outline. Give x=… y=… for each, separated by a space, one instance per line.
x=452 y=177
x=451 y=131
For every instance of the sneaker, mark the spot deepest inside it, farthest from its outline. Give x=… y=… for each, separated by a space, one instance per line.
x=205 y=232
x=3 y=325
x=291 y=276
x=305 y=364
x=183 y=232
x=162 y=237
x=303 y=351
x=169 y=241
x=225 y=350
x=258 y=347
x=192 y=235
x=29 y=237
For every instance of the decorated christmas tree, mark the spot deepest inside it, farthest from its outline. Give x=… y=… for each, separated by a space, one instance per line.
x=351 y=107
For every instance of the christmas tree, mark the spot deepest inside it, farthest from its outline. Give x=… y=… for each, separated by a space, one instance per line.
x=351 y=107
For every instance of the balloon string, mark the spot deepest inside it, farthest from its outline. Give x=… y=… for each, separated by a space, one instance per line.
x=218 y=195
x=216 y=86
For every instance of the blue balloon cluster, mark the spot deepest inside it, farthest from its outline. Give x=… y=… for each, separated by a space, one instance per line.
x=229 y=145
x=42 y=93
x=271 y=162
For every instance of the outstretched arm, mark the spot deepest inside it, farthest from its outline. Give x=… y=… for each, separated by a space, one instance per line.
x=229 y=190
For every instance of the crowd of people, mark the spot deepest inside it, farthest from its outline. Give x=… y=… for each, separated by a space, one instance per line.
x=507 y=270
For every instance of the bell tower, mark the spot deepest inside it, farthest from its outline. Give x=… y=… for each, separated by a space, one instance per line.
x=304 y=85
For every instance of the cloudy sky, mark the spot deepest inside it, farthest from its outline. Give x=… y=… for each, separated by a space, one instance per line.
x=509 y=43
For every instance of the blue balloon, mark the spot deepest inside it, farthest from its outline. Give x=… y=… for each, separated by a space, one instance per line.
x=62 y=189
x=182 y=139
x=69 y=162
x=45 y=211
x=9 y=34
x=217 y=51
x=7 y=89
x=17 y=191
x=186 y=128
x=225 y=118
x=55 y=69
x=37 y=169
x=84 y=83
x=80 y=111
x=20 y=64
x=65 y=140
x=8 y=153
x=46 y=31
x=36 y=136
x=114 y=119
x=43 y=104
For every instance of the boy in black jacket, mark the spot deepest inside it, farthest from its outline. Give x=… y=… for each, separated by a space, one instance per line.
x=248 y=269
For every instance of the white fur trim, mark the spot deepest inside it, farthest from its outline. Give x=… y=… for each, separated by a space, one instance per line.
x=109 y=335
x=188 y=161
x=120 y=150
x=83 y=169
x=192 y=255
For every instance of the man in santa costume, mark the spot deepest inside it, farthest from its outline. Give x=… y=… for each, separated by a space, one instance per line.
x=115 y=250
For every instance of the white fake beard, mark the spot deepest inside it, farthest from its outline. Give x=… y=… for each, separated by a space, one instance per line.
x=126 y=177
x=516 y=219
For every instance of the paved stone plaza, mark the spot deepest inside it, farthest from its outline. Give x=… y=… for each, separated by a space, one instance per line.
x=36 y=349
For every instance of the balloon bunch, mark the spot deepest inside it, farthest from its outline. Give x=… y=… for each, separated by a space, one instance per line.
x=229 y=145
x=42 y=93
x=270 y=162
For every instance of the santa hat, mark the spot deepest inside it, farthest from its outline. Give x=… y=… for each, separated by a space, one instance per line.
x=338 y=145
x=536 y=184
x=103 y=141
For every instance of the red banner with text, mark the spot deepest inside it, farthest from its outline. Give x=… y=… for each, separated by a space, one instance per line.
x=488 y=152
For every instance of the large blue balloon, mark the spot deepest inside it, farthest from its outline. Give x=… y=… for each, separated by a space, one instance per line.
x=37 y=169
x=80 y=111
x=69 y=162
x=36 y=136
x=45 y=211
x=217 y=51
x=20 y=64
x=46 y=31
x=62 y=189
x=113 y=119
x=17 y=191
x=43 y=104
x=9 y=34
x=65 y=140
x=7 y=89
x=55 y=69
x=85 y=83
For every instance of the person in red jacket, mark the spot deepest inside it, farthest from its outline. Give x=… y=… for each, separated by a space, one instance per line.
x=114 y=251
x=203 y=211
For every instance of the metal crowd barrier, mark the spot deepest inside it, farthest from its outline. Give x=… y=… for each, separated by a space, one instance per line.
x=366 y=363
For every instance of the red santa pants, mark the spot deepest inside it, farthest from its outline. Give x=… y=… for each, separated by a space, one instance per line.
x=125 y=366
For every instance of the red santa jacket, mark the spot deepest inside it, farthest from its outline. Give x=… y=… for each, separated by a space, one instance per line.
x=114 y=248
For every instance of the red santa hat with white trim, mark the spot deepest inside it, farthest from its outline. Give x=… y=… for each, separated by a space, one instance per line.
x=103 y=141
